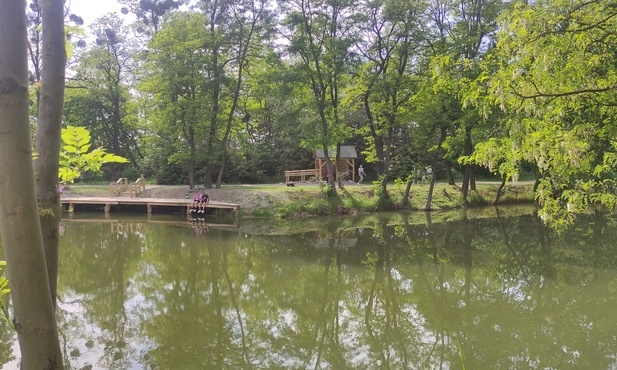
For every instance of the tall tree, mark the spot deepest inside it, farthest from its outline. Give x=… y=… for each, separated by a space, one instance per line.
x=318 y=34
x=267 y=143
x=19 y=215
x=217 y=44
x=466 y=33
x=437 y=109
x=388 y=40
x=556 y=78
x=174 y=80
x=49 y=125
x=104 y=71
x=250 y=26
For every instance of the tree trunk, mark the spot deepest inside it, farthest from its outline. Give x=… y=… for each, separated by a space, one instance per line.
x=192 y=159
x=189 y=136
x=191 y=174
x=537 y=176
x=407 y=191
x=339 y=176
x=449 y=175
x=19 y=215
x=429 y=198
x=499 y=191
x=431 y=188
x=242 y=60
x=383 y=186
x=216 y=84
x=468 y=168
x=48 y=139
x=329 y=171
x=230 y=117
x=465 y=185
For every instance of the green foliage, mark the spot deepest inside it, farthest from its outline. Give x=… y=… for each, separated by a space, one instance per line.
x=72 y=30
x=76 y=156
x=554 y=74
x=500 y=155
x=100 y=94
x=4 y=294
x=318 y=39
x=407 y=83
x=384 y=201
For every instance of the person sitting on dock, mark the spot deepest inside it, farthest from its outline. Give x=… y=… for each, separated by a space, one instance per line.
x=199 y=203
x=196 y=203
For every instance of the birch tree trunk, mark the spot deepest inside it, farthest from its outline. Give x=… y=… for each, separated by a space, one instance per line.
x=48 y=131
x=19 y=216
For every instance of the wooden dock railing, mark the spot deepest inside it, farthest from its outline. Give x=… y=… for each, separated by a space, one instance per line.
x=122 y=187
x=117 y=188
x=302 y=174
x=137 y=187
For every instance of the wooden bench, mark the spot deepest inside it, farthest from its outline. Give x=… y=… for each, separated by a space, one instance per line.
x=304 y=175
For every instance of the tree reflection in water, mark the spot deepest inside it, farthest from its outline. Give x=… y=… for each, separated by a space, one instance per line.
x=384 y=291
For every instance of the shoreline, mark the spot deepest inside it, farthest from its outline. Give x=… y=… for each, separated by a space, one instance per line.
x=308 y=200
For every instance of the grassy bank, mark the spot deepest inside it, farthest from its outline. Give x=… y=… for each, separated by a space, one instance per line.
x=360 y=199
x=278 y=200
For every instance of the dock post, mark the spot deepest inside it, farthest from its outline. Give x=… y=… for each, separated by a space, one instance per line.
x=107 y=207
x=149 y=210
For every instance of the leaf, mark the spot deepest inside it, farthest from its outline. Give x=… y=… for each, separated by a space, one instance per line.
x=112 y=158
x=70 y=149
x=75 y=158
x=84 y=148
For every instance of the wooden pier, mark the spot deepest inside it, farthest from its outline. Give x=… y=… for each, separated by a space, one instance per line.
x=69 y=203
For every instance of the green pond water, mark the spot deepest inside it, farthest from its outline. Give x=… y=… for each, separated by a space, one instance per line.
x=494 y=290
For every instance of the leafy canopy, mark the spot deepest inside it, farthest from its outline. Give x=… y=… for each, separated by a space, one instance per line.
x=75 y=157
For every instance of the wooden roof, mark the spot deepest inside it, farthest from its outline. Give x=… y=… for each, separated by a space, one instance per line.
x=347 y=151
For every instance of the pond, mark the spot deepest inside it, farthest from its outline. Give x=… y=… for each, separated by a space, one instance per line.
x=496 y=290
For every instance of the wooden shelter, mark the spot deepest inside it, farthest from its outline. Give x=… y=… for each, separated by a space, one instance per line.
x=346 y=162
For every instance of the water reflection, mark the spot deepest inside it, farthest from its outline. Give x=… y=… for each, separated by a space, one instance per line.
x=386 y=291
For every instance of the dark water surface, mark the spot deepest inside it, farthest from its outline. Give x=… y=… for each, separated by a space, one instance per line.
x=380 y=292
